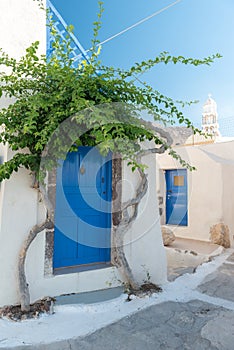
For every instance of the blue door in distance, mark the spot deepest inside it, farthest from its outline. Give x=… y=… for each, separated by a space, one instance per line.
x=83 y=209
x=176 y=197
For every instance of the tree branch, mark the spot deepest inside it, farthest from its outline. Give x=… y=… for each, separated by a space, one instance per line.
x=23 y=285
x=127 y=220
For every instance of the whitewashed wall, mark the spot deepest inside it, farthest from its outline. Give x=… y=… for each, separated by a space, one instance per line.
x=210 y=187
x=21 y=210
x=144 y=247
x=21 y=23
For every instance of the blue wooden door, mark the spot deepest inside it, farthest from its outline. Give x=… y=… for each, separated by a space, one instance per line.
x=83 y=209
x=176 y=197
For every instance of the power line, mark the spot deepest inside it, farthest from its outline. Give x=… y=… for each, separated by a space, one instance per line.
x=139 y=22
x=134 y=25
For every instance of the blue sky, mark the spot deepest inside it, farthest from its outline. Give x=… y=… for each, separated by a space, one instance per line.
x=193 y=28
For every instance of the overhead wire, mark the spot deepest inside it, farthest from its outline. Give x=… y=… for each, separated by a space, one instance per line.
x=134 y=25
x=139 y=22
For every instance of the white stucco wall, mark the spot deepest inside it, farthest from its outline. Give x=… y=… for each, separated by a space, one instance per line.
x=144 y=247
x=210 y=187
x=21 y=23
x=21 y=210
x=19 y=214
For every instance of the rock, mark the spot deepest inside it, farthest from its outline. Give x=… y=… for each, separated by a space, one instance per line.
x=219 y=234
x=167 y=235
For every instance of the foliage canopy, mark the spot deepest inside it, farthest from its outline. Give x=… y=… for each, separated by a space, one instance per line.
x=45 y=92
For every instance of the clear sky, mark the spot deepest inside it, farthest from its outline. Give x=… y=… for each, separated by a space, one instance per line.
x=192 y=28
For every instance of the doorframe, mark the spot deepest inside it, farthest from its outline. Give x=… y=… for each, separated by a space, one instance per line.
x=115 y=217
x=165 y=197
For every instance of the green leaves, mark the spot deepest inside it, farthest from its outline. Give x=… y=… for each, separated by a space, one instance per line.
x=96 y=48
x=165 y=57
x=28 y=161
x=46 y=93
x=180 y=160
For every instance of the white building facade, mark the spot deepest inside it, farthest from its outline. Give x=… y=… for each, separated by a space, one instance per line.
x=21 y=23
x=208 y=203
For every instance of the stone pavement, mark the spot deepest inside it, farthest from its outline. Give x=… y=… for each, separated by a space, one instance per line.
x=202 y=318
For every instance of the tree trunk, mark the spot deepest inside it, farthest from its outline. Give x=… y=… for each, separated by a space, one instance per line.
x=122 y=263
x=23 y=285
x=126 y=220
x=47 y=224
x=122 y=228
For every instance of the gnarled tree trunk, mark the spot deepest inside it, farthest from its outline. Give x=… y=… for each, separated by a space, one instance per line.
x=48 y=224
x=127 y=220
x=23 y=285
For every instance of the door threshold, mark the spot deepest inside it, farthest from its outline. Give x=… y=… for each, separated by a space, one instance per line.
x=90 y=297
x=174 y=225
x=81 y=268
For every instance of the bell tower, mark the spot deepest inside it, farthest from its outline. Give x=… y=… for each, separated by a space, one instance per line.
x=210 y=123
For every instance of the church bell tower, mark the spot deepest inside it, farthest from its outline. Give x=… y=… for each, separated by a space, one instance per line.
x=210 y=123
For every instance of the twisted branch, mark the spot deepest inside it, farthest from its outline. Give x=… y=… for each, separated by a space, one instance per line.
x=126 y=219
x=48 y=224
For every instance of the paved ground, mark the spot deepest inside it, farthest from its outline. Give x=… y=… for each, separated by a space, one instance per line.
x=200 y=247
x=195 y=325
x=206 y=321
x=220 y=283
x=184 y=255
